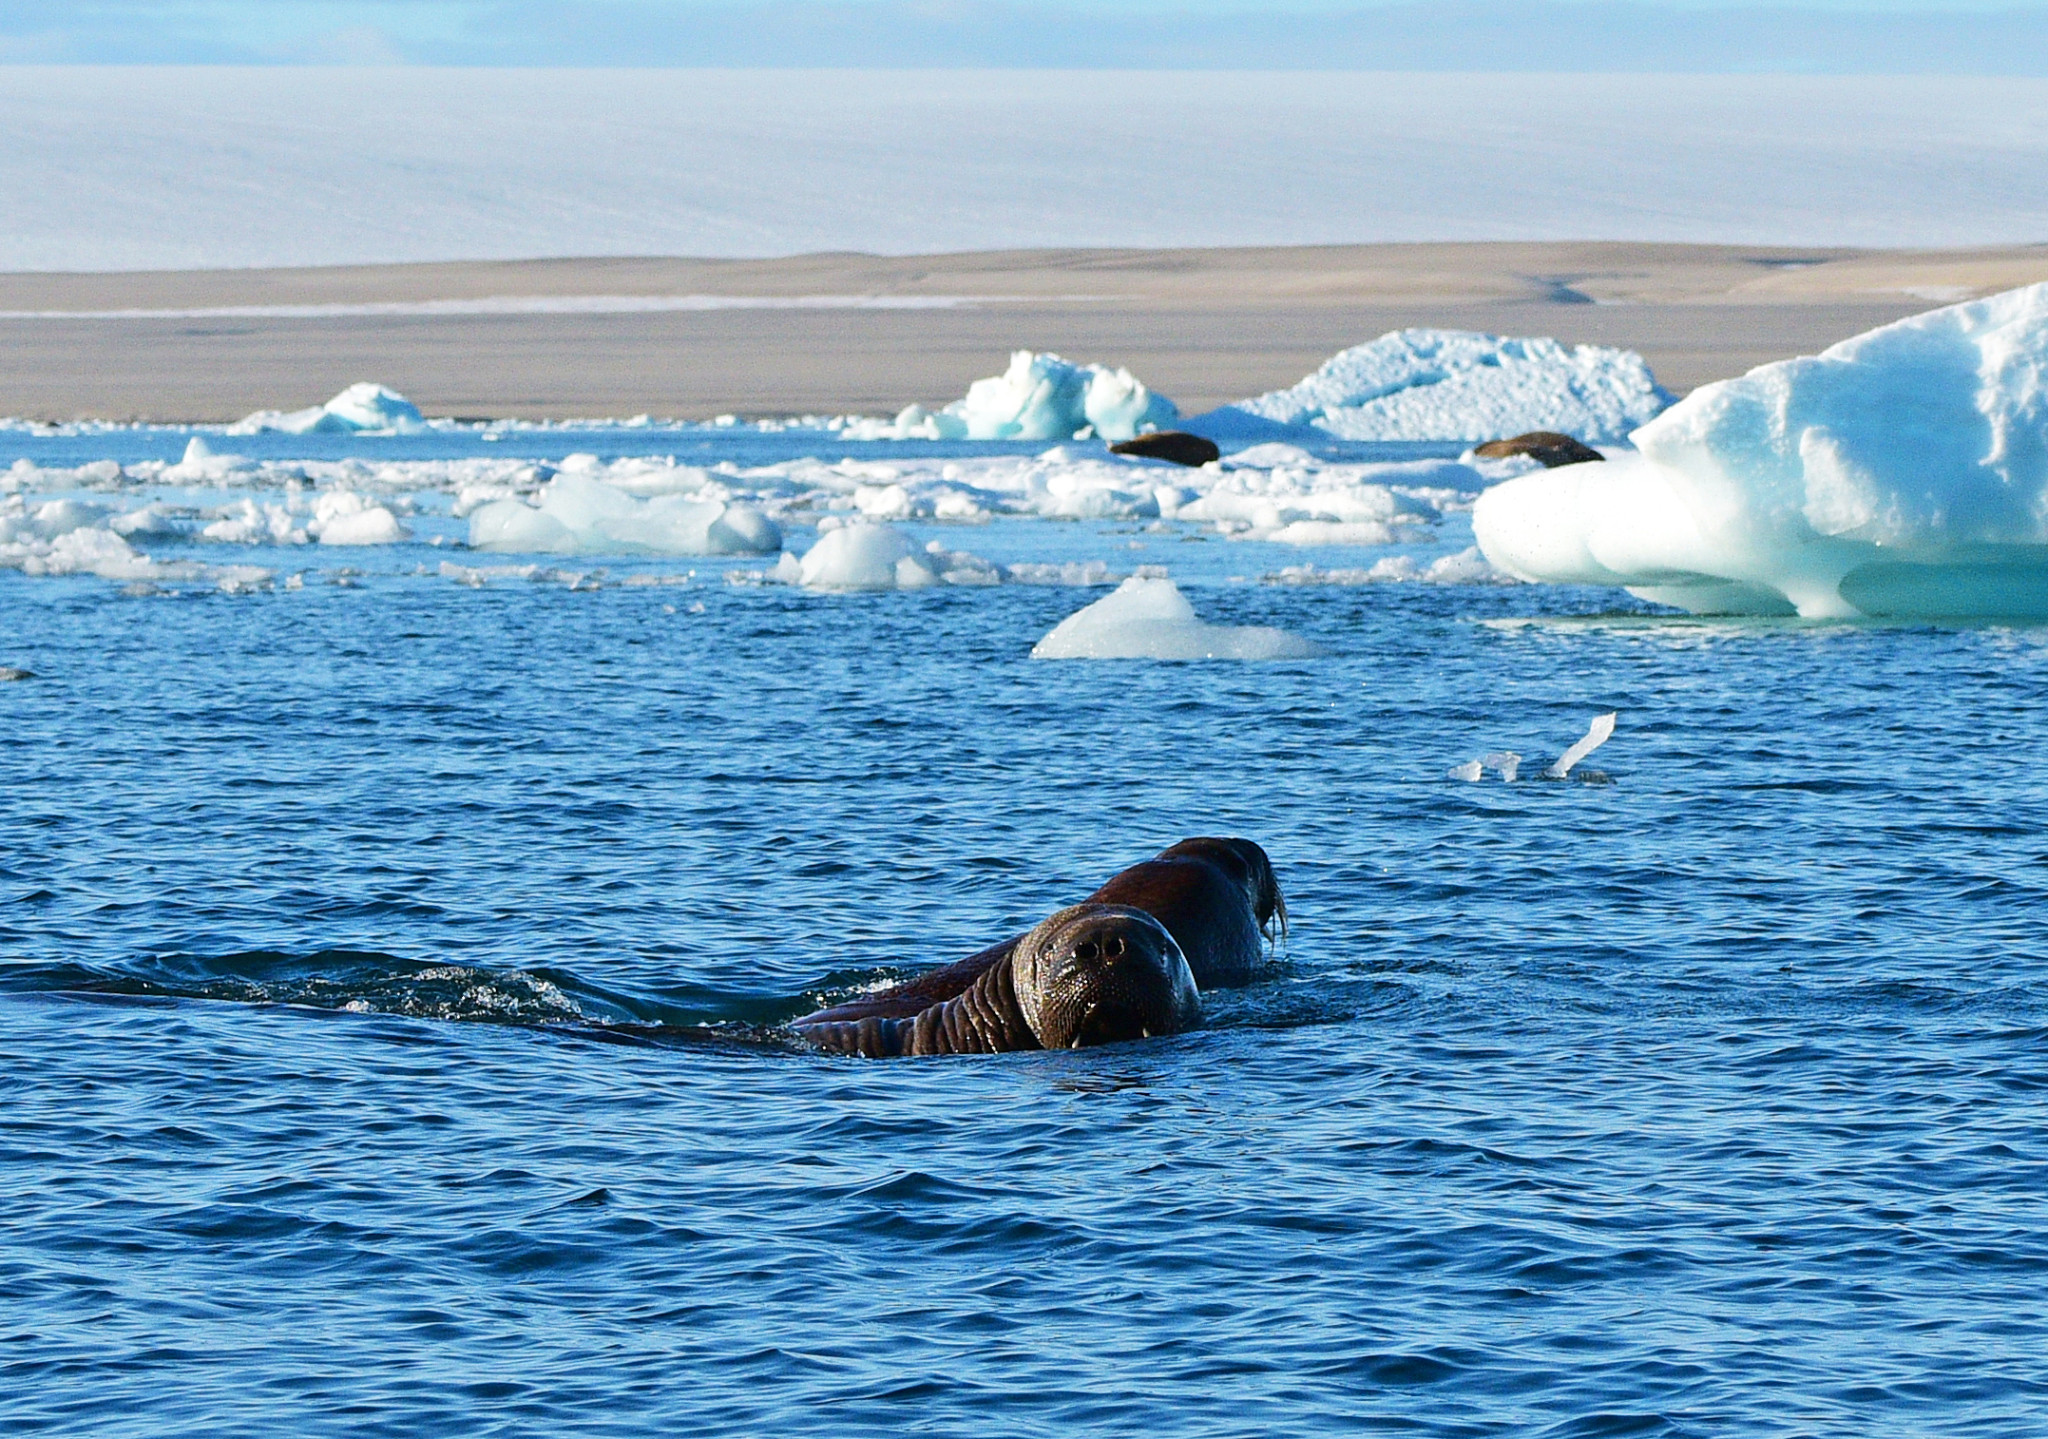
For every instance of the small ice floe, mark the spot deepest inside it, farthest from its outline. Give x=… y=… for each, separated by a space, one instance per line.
x=154 y=521
x=1148 y=618
x=360 y=409
x=477 y=576
x=1466 y=567
x=867 y=556
x=9 y=674
x=1040 y=397
x=343 y=517
x=1299 y=501
x=1079 y=574
x=575 y=514
x=338 y=517
x=1508 y=764
x=1454 y=385
x=202 y=464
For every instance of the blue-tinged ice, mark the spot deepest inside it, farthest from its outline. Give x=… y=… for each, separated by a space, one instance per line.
x=1148 y=618
x=1039 y=397
x=574 y=514
x=362 y=407
x=1454 y=385
x=1903 y=472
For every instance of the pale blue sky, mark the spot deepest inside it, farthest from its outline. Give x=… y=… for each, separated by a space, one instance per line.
x=1809 y=36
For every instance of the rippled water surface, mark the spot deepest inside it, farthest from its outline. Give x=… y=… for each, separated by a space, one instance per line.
x=392 y=973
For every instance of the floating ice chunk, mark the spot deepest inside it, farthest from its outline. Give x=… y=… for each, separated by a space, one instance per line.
x=1902 y=472
x=863 y=557
x=240 y=579
x=88 y=550
x=1077 y=573
x=360 y=407
x=368 y=406
x=343 y=517
x=1149 y=618
x=866 y=556
x=1455 y=385
x=202 y=463
x=1596 y=735
x=250 y=523
x=1506 y=762
x=1331 y=532
x=1039 y=397
x=1466 y=567
x=577 y=514
x=477 y=576
x=152 y=521
x=61 y=517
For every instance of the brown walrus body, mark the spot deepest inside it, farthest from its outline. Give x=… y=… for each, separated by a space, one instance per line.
x=1128 y=962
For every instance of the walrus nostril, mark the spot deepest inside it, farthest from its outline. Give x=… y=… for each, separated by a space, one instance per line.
x=1087 y=949
x=1114 y=946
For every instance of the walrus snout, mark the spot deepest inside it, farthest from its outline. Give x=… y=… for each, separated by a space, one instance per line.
x=1097 y=974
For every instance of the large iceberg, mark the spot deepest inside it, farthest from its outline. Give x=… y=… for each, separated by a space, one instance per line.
x=1902 y=472
x=1454 y=385
x=359 y=408
x=1040 y=397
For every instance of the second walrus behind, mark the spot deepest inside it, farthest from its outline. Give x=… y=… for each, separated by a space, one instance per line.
x=1128 y=962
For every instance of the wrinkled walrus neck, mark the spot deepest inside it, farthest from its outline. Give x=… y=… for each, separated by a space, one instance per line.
x=984 y=1018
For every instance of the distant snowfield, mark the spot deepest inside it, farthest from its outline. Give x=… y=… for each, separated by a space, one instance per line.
x=139 y=168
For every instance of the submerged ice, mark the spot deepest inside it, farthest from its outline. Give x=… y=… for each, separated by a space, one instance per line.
x=1903 y=472
x=1456 y=385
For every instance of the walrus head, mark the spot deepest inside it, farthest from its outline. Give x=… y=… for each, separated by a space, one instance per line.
x=1099 y=973
x=1248 y=864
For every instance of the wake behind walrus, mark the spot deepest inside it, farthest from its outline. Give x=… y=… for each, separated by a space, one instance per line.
x=1128 y=962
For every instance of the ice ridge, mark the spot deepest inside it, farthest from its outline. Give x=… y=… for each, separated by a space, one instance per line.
x=1455 y=385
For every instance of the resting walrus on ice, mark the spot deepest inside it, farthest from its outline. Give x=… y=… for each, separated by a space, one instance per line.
x=1128 y=962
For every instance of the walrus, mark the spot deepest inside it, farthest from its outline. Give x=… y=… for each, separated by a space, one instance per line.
x=1128 y=962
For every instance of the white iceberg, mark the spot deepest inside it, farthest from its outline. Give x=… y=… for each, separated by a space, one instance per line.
x=250 y=523
x=868 y=556
x=1903 y=472
x=343 y=517
x=574 y=514
x=359 y=408
x=1454 y=385
x=201 y=464
x=1148 y=618
x=1040 y=397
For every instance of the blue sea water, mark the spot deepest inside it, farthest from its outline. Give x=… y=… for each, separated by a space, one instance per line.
x=392 y=973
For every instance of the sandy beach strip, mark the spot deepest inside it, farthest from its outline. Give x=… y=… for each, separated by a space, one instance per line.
x=849 y=333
